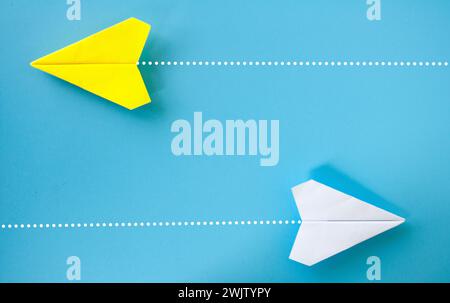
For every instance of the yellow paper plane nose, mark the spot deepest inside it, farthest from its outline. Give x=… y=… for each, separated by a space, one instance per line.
x=104 y=63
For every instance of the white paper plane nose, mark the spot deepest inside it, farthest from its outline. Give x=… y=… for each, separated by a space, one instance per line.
x=333 y=222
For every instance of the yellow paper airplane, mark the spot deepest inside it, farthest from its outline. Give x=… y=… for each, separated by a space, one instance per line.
x=104 y=63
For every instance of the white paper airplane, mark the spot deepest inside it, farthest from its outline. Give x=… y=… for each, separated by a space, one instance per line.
x=333 y=222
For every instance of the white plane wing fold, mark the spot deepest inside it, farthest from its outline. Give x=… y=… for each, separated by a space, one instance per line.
x=333 y=221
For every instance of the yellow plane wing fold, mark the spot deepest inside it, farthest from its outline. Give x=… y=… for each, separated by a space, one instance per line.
x=104 y=63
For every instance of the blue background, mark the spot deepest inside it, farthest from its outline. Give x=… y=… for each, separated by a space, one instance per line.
x=381 y=134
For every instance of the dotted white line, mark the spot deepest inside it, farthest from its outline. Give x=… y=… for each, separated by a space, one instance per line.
x=298 y=63
x=143 y=224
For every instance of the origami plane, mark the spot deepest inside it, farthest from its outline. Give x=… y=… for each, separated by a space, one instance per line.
x=333 y=222
x=104 y=63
